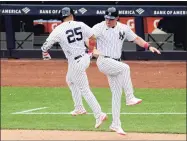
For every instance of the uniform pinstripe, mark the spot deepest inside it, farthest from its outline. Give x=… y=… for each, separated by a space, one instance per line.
x=109 y=43
x=71 y=36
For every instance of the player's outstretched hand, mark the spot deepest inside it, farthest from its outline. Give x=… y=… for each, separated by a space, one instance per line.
x=153 y=49
x=46 y=56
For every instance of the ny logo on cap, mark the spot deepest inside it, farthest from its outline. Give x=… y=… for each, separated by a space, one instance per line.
x=109 y=13
x=65 y=13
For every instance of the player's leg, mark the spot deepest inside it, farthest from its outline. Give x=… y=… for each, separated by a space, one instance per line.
x=115 y=86
x=81 y=80
x=112 y=67
x=127 y=86
x=88 y=95
x=76 y=96
x=116 y=90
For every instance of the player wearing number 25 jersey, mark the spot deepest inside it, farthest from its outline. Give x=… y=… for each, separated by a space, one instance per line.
x=71 y=36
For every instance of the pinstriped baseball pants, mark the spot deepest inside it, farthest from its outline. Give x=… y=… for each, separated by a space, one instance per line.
x=118 y=74
x=77 y=81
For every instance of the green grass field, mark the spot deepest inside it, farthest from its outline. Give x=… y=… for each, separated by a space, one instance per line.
x=168 y=108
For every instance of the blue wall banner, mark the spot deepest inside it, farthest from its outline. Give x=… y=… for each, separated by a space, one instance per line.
x=93 y=10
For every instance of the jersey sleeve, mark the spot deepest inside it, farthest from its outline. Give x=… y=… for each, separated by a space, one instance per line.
x=53 y=38
x=96 y=30
x=130 y=35
x=88 y=32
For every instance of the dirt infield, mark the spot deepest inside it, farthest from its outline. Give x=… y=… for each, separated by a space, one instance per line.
x=52 y=74
x=83 y=135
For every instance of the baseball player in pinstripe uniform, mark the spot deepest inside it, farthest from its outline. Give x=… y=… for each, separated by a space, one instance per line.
x=71 y=36
x=110 y=35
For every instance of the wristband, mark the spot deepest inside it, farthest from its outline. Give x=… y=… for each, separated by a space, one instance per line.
x=146 y=45
x=45 y=53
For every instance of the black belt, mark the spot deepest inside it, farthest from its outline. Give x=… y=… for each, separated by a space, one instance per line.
x=117 y=59
x=79 y=56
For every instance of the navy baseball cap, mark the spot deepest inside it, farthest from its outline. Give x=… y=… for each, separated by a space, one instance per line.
x=111 y=13
x=67 y=11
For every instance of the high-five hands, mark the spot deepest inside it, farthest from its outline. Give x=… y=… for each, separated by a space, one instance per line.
x=96 y=53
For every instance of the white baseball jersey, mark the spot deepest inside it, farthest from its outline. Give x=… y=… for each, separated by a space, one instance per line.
x=109 y=43
x=110 y=40
x=71 y=36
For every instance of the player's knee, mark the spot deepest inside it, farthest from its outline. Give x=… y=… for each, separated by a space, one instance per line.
x=68 y=81
x=126 y=67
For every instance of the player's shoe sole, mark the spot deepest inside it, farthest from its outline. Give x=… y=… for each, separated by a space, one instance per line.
x=134 y=102
x=73 y=113
x=118 y=130
x=101 y=119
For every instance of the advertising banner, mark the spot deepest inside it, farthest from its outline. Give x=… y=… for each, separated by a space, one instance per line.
x=94 y=10
x=150 y=23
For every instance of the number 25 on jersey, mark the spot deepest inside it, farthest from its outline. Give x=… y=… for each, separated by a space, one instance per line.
x=74 y=35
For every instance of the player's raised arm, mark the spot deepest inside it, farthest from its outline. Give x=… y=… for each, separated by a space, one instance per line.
x=131 y=36
x=53 y=38
x=139 y=41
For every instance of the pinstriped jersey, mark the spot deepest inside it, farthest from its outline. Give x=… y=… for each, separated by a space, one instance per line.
x=110 y=40
x=71 y=36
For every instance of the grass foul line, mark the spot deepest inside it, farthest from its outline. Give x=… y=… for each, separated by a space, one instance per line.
x=27 y=111
x=66 y=113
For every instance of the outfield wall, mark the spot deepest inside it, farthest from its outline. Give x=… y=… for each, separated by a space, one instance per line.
x=22 y=44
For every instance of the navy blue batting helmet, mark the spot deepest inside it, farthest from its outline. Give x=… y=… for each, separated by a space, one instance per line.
x=67 y=11
x=111 y=13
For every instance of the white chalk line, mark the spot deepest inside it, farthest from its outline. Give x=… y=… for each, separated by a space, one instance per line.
x=68 y=113
x=27 y=111
x=30 y=112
